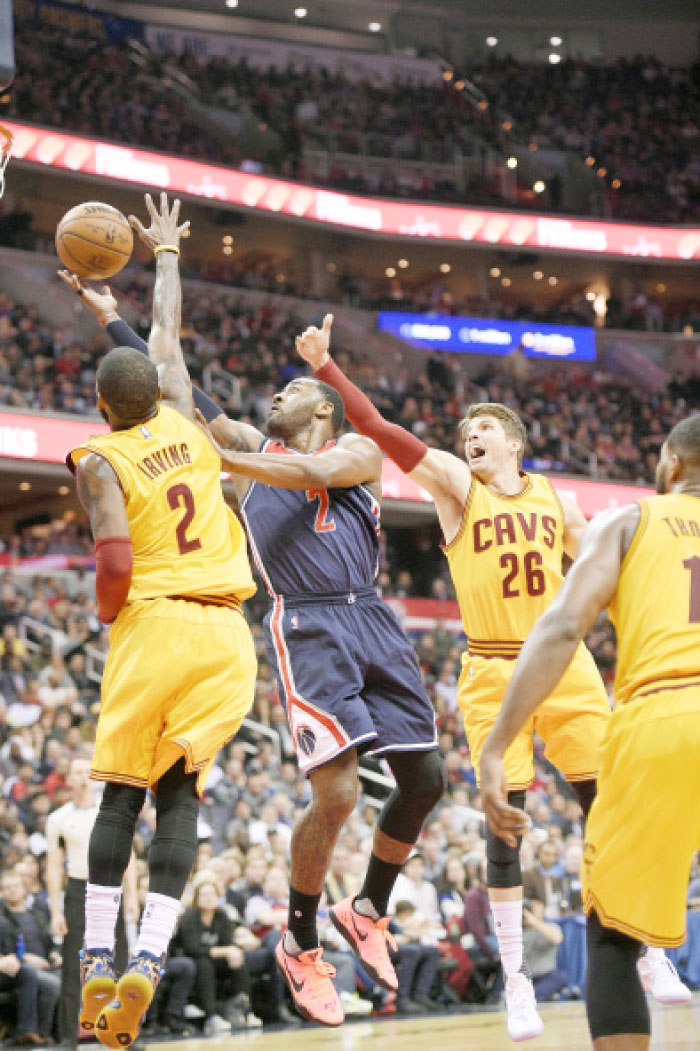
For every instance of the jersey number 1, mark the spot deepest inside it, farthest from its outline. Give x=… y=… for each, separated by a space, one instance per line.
x=182 y=494
x=693 y=567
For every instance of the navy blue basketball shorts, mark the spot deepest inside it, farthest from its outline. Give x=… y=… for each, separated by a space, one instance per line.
x=348 y=676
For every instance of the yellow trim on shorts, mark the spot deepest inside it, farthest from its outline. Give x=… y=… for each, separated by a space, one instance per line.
x=121 y=779
x=591 y=903
x=583 y=777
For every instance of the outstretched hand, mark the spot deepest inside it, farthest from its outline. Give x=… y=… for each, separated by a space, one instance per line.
x=164 y=229
x=312 y=345
x=506 y=821
x=99 y=303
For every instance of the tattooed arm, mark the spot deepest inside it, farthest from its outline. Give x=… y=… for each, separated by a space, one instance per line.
x=164 y=346
x=100 y=494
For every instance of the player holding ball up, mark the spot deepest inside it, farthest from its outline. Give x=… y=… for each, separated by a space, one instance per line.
x=348 y=675
x=172 y=571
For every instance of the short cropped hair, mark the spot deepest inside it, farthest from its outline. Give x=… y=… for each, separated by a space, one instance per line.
x=512 y=424
x=330 y=394
x=684 y=439
x=128 y=382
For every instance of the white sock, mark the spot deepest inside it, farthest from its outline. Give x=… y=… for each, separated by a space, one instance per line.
x=653 y=953
x=160 y=914
x=101 y=911
x=508 y=923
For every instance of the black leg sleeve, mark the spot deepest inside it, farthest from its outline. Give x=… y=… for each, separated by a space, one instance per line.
x=615 y=1000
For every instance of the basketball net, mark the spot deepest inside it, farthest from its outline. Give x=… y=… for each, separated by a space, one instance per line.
x=5 y=151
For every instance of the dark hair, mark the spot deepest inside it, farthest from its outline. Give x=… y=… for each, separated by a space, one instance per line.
x=128 y=382
x=331 y=394
x=684 y=439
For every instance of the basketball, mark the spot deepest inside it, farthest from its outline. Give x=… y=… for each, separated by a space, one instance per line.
x=94 y=240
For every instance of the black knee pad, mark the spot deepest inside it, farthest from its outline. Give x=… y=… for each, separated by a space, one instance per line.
x=174 y=845
x=502 y=861
x=615 y=1000
x=112 y=834
x=585 y=792
x=421 y=781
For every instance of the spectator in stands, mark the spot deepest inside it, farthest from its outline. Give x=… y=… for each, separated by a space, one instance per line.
x=541 y=940
x=34 y=944
x=542 y=882
x=22 y=981
x=416 y=962
x=411 y=886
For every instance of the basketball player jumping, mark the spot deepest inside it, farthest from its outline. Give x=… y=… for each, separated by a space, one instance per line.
x=505 y=533
x=172 y=571
x=347 y=673
x=642 y=561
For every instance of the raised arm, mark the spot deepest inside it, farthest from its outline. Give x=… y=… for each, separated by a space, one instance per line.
x=229 y=433
x=101 y=496
x=446 y=477
x=548 y=650
x=354 y=460
x=164 y=349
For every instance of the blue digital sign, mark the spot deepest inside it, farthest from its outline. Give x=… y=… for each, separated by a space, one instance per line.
x=474 y=335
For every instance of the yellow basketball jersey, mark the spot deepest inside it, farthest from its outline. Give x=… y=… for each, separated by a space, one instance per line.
x=186 y=540
x=506 y=563
x=656 y=607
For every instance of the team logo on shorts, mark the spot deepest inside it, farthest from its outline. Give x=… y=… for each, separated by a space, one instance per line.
x=306 y=739
x=295 y=621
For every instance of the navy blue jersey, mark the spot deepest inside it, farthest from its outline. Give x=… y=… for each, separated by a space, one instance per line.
x=314 y=540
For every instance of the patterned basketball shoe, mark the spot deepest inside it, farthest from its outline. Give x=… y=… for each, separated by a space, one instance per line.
x=309 y=979
x=368 y=940
x=98 y=981
x=119 y=1023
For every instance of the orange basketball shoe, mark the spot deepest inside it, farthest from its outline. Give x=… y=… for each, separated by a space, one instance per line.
x=309 y=980
x=98 y=981
x=368 y=940
x=120 y=1021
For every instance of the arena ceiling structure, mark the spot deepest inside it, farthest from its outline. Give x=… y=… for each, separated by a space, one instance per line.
x=357 y=14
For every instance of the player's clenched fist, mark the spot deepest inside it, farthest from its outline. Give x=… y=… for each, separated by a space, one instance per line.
x=312 y=345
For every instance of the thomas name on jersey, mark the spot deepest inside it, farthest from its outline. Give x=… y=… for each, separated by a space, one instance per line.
x=682 y=526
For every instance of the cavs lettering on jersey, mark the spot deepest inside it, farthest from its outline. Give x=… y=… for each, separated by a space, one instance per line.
x=506 y=563
x=185 y=540
x=314 y=540
x=656 y=608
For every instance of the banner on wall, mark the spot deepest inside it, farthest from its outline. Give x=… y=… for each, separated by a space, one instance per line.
x=75 y=19
x=268 y=54
x=411 y=219
x=473 y=335
x=50 y=439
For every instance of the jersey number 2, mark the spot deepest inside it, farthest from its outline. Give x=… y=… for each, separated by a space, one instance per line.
x=323 y=523
x=182 y=494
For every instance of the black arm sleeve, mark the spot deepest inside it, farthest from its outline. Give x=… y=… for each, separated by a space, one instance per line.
x=124 y=336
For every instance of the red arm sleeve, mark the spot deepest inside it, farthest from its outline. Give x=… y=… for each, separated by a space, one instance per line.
x=399 y=444
x=114 y=559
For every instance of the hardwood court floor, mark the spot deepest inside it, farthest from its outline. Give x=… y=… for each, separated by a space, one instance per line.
x=673 y=1029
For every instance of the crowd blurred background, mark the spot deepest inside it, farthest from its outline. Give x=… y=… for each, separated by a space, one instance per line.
x=460 y=138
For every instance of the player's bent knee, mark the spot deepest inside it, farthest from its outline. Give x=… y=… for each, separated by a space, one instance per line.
x=337 y=800
x=421 y=777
